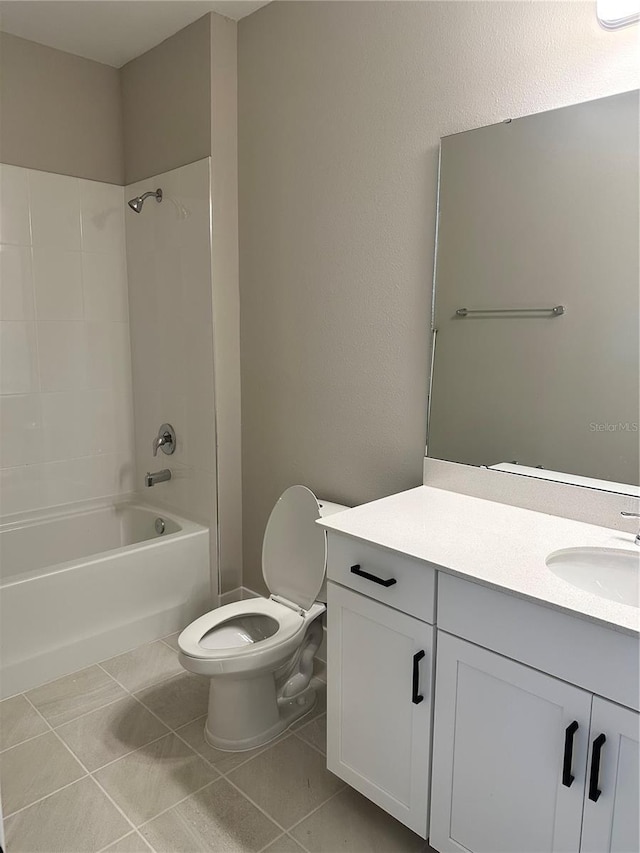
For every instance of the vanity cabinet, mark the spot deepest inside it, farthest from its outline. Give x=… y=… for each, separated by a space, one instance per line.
x=515 y=760
x=611 y=823
x=379 y=705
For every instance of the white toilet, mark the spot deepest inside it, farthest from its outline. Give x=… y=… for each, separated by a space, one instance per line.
x=259 y=652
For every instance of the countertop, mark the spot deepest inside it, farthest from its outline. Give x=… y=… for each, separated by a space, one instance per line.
x=497 y=545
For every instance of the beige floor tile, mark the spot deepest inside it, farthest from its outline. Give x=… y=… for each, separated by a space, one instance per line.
x=154 y=778
x=67 y=698
x=172 y=640
x=319 y=708
x=315 y=733
x=216 y=818
x=223 y=760
x=144 y=666
x=18 y=721
x=111 y=732
x=79 y=819
x=35 y=769
x=178 y=700
x=320 y=669
x=131 y=843
x=349 y=823
x=284 y=844
x=287 y=781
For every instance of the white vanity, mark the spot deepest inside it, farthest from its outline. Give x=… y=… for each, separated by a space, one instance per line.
x=473 y=693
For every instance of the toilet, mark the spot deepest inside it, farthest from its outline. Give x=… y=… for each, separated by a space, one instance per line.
x=259 y=652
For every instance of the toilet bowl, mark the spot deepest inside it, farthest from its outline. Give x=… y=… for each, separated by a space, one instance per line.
x=259 y=652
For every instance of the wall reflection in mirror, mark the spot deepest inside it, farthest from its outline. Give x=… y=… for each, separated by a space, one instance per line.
x=538 y=235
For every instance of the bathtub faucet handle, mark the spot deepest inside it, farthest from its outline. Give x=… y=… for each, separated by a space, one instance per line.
x=166 y=439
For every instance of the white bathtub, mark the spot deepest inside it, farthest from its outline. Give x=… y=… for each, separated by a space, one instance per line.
x=84 y=583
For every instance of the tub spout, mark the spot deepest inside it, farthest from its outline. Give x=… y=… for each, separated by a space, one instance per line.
x=150 y=479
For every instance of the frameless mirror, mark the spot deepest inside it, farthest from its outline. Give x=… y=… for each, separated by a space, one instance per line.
x=536 y=296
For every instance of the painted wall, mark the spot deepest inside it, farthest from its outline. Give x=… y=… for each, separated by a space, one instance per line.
x=226 y=294
x=60 y=113
x=341 y=107
x=166 y=103
x=66 y=417
x=169 y=265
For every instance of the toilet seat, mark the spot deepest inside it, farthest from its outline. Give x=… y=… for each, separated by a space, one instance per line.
x=253 y=655
x=294 y=559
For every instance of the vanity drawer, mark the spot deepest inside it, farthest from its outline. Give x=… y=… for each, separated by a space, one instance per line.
x=395 y=579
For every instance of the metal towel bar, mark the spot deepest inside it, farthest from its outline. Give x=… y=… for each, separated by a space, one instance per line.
x=556 y=311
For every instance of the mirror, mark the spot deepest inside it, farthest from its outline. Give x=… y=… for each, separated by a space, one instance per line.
x=536 y=296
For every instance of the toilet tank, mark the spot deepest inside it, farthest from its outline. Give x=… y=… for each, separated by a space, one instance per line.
x=327 y=508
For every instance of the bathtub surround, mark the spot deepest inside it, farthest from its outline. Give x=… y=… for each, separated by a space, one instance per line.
x=169 y=264
x=65 y=376
x=179 y=102
x=341 y=108
x=60 y=113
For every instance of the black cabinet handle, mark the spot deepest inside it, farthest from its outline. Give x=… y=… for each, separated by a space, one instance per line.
x=356 y=570
x=569 y=732
x=594 y=791
x=416 y=698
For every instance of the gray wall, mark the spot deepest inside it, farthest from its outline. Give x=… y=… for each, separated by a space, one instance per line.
x=226 y=296
x=166 y=101
x=59 y=113
x=341 y=107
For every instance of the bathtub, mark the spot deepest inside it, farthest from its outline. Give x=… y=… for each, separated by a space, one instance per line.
x=86 y=582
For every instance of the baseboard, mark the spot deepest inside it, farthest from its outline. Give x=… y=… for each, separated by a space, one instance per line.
x=240 y=593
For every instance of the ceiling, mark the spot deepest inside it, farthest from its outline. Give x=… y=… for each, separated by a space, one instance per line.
x=110 y=31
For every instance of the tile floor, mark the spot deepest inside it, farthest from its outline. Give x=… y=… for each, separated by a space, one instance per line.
x=113 y=759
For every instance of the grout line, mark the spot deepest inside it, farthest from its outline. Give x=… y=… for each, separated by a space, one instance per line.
x=46 y=797
x=26 y=740
x=277 y=838
x=81 y=765
x=91 y=776
x=115 y=841
x=312 y=745
x=126 y=835
x=135 y=648
x=253 y=803
x=299 y=843
x=131 y=751
x=168 y=809
x=313 y=811
x=86 y=713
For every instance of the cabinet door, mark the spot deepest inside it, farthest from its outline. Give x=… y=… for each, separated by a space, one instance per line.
x=501 y=734
x=378 y=737
x=611 y=816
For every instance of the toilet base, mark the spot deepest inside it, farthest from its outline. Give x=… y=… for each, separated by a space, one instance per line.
x=286 y=713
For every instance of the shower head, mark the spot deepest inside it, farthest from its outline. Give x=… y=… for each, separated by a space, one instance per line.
x=137 y=202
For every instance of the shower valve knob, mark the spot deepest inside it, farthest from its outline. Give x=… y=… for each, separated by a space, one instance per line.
x=165 y=440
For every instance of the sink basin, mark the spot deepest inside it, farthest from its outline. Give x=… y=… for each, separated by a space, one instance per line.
x=608 y=572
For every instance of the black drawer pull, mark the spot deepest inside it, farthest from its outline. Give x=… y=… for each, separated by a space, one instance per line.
x=356 y=570
x=567 y=777
x=594 y=778
x=416 y=698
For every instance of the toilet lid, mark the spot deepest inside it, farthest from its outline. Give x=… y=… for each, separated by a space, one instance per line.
x=294 y=548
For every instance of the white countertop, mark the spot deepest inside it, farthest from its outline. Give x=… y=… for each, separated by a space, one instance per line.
x=494 y=544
